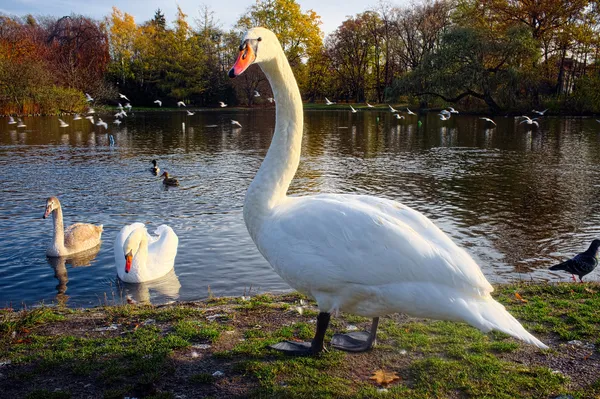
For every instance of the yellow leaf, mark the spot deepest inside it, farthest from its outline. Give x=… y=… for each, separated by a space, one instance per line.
x=520 y=298
x=383 y=377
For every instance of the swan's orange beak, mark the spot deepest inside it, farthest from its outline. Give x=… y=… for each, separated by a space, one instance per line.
x=244 y=60
x=128 y=259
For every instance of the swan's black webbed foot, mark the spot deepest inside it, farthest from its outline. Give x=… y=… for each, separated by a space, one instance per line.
x=293 y=348
x=358 y=341
x=306 y=348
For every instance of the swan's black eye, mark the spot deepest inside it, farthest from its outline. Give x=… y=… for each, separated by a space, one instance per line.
x=259 y=39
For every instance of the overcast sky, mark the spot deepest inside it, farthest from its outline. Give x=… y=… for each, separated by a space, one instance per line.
x=226 y=11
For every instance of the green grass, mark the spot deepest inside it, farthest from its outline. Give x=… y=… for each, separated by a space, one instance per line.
x=433 y=358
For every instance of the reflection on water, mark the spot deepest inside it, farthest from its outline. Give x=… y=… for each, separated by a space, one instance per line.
x=162 y=290
x=517 y=198
x=59 y=264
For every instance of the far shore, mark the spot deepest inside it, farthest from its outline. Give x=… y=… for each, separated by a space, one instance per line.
x=341 y=106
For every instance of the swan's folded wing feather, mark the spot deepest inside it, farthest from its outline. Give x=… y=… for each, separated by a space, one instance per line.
x=79 y=233
x=341 y=239
x=163 y=248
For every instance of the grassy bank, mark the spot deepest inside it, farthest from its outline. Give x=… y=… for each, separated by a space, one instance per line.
x=218 y=348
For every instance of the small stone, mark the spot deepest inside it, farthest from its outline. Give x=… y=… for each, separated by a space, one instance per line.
x=556 y=372
x=149 y=321
x=300 y=310
x=402 y=352
x=351 y=327
x=14 y=334
x=587 y=345
x=218 y=374
x=109 y=328
x=201 y=346
x=194 y=354
x=214 y=317
x=382 y=390
x=245 y=298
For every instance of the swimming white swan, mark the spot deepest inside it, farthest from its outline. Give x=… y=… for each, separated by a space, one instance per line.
x=76 y=238
x=140 y=257
x=353 y=253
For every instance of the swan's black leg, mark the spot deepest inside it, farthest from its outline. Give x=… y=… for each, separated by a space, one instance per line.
x=356 y=341
x=306 y=348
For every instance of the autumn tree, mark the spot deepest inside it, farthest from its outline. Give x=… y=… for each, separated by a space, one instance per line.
x=472 y=63
x=350 y=49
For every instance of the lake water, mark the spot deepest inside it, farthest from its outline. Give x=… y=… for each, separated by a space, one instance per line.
x=519 y=200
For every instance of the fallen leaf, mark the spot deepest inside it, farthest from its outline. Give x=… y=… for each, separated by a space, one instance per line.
x=520 y=298
x=591 y=291
x=383 y=377
x=25 y=330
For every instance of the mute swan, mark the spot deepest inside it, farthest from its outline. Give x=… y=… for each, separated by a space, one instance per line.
x=88 y=97
x=76 y=238
x=123 y=96
x=581 y=264
x=353 y=253
x=140 y=257
x=169 y=181
x=180 y=104
x=236 y=123
x=158 y=102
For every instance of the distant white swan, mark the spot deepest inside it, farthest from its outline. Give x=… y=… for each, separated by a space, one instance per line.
x=236 y=123
x=353 y=253
x=222 y=104
x=63 y=123
x=326 y=101
x=140 y=257
x=123 y=96
x=180 y=104
x=158 y=102
x=353 y=110
x=76 y=238
x=392 y=109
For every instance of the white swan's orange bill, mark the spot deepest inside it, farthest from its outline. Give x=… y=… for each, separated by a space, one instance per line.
x=244 y=60
x=128 y=259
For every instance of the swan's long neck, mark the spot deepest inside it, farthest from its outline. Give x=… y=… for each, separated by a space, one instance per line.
x=140 y=259
x=59 y=229
x=269 y=187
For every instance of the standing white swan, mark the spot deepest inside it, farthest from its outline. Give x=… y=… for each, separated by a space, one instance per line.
x=76 y=238
x=353 y=253
x=140 y=257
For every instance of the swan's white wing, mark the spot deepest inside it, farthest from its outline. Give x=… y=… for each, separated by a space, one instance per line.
x=120 y=241
x=348 y=239
x=162 y=249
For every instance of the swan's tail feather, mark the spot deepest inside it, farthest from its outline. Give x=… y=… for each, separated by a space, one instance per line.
x=493 y=316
